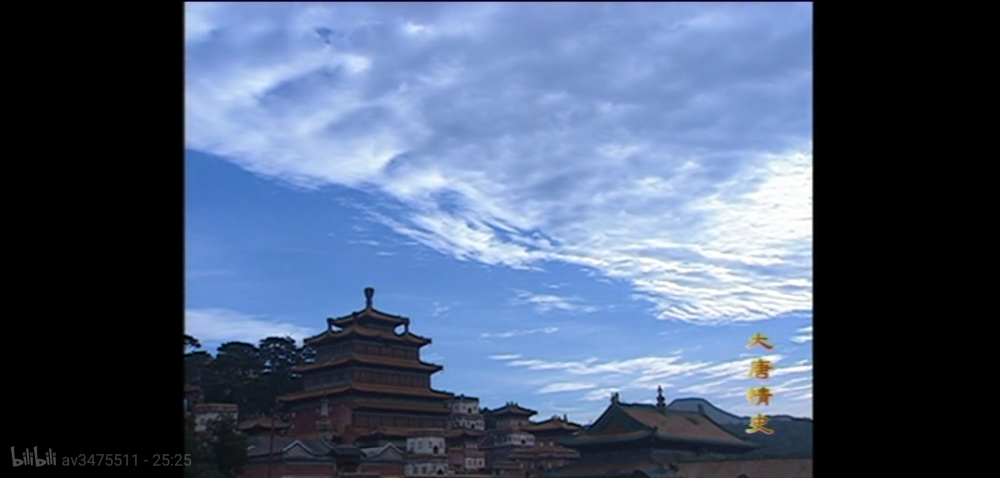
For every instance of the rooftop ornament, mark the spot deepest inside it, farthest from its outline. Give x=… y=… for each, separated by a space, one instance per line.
x=369 y=293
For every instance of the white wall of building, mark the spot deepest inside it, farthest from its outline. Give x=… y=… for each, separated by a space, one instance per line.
x=468 y=406
x=426 y=445
x=426 y=468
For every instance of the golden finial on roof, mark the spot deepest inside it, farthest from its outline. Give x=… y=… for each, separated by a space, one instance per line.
x=369 y=293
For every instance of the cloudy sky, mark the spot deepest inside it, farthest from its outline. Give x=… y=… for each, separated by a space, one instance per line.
x=569 y=199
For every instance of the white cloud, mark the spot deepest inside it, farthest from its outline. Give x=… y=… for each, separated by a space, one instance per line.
x=440 y=310
x=519 y=333
x=221 y=325
x=720 y=380
x=505 y=357
x=602 y=394
x=547 y=302
x=565 y=387
x=806 y=335
x=648 y=150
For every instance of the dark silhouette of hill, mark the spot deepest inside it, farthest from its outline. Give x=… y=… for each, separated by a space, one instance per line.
x=792 y=436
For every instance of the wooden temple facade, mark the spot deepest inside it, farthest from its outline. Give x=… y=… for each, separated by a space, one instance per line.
x=367 y=408
x=367 y=383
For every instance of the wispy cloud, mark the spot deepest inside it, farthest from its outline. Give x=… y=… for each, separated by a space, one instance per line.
x=805 y=335
x=439 y=310
x=222 y=325
x=565 y=387
x=600 y=394
x=720 y=379
x=793 y=385
x=547 y=302
x=505 y=357
x=515 y=134
x=519 y=333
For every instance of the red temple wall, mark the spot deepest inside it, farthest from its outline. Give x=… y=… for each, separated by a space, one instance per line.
x=415 y=380
x=798 y=468
x=369 y=419
x=383 y=469
x=304 y=419
x=334 y=378
x=332 y=350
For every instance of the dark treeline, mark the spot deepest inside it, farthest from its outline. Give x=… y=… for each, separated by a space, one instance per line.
x=251 y=376
x=220 y=452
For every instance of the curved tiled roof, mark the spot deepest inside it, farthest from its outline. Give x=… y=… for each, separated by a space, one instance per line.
x=552 y=424
x=674 y=425
x=360 y=331
x=595 y=439
x=370 y=313
x=636 y=422
x=512 y=409
x=371 y=360
x=365 y=388
x=261 y=422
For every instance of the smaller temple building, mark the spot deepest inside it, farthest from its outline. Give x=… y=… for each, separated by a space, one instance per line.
x=632 y=440
x=516 y=447
x=426 y=453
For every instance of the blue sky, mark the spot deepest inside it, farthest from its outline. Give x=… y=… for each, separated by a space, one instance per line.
x=569 y=199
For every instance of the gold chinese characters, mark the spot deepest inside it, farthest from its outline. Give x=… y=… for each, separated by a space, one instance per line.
x=761 y=340
x=759 y=396
x=758 y=424
x=760 y=369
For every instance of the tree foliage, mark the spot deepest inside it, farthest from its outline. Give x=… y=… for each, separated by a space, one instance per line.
x=228 y=446
x=251 y=376
x=198 y=447
x=191 y=343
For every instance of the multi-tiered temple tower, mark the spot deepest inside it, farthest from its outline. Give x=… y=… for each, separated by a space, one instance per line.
x=367 y=382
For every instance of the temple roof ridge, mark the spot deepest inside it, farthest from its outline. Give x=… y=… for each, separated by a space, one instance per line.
x=363 y=331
